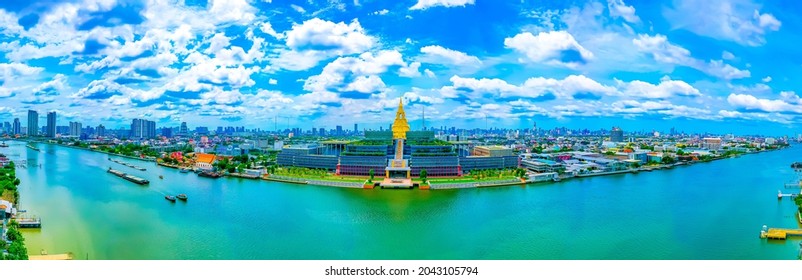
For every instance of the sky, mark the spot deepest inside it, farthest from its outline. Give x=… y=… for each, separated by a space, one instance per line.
x=728 y=66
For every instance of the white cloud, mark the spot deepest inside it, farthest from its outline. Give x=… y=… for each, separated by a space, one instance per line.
x=663 y=51
x=298 y=8
x=218 y=42
x=232 y=10
x=318 y=34
x=749 y=102
x=410 y=71
x=619 y=9
x=739 y=21
x=355 y=73
x=665 y=89
x=380 y=12
x=272 y=81
x=15 y=70
x=549 y=47
x=429 y=73
x=572 y=87
x=438 y=54
x=267 y=28
x=766 y=79
x=425 y=4
x=416 y=95
x=727 y=55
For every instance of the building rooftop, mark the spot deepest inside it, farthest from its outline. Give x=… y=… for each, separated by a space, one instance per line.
x=205 y=158
x=493 y=147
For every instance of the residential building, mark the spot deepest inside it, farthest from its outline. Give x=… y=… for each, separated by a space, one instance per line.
x=616 y=135
x=33 y=123
x=51 y=124
x=16 y=128
x=75 y=129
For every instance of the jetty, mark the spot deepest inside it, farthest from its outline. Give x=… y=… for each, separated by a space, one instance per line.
x=780 y=233
x=55 y=257
x=29 y=222
x=128 y=177
x=128 y=165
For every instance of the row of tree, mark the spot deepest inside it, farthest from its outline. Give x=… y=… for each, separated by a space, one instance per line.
x=16 y=250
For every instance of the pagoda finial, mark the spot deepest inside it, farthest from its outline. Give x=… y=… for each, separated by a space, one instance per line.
x=400 y=125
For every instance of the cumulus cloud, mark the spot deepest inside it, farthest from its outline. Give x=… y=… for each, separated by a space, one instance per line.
x=441 y=55
x=322 y=35
x=537 y=88
x=739 y=21
x=619 y=9
x=425 y=4
x=664 y=51
x=665 y=89
x=553 y=47
x=746 y=102
x=355 y=73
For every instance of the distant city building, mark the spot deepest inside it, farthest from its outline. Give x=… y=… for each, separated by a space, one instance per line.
x=713 y=144
x=339 y=130
x=492 y=151
x=100 y=131
x=771 y=141
x=202 y=130
x=616 y=135
x=356 y=129
x=143 y=129
x=16 y=128
x=62 y=129
x=183 y=131
x=75 y=129
x=51 y=124
x=167 y=132
x=7 y=127
x=33 y=123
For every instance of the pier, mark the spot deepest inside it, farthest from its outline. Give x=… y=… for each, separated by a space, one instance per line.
x=29 y=222
x=128 y=177
x=779 y=233
x=56 y=257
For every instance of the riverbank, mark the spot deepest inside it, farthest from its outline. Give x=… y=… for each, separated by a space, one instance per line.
x=86 y=149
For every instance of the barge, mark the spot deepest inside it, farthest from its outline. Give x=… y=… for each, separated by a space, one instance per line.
x=128 y=177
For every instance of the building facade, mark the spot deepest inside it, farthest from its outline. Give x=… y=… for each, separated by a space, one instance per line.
x=33 y=123
x=51 y=124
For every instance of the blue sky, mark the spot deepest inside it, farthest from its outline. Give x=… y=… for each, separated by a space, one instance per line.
x=719 y=66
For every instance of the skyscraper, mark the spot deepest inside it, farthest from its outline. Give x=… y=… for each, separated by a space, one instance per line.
x=143 y=129
x=75 y=129
x=51 y=124
x=33 y=123
x=339 y=130
x=100 y=131
x=356 y=129
x=616 y=134
x=183 y=131
x=16 y=128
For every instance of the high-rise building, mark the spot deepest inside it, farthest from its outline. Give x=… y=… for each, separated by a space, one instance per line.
x=100 y=131
x=356 y=129
x=143 y=129
x=7 y=127
x=51 y=124
x=167 y=132
x=322 y=131
x=183 y=131
x=339 y=130
x=16 y=127
x=616 y=134
x=202 y=130
x=75 y=129
x=33 y=123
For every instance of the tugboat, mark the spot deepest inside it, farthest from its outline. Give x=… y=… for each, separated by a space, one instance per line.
x=170 y=198
x=182 y=197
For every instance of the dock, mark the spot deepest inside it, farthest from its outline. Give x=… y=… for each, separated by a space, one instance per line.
x=29 y=222
x=128 y=177
x=46 y=257
x=780 y=233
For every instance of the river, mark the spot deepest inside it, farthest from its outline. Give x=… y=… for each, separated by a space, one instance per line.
x=705 y=211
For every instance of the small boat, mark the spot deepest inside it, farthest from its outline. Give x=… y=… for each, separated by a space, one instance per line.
x=161 y=177
x=3 y=145
x=184 y=170
x=209 y=174
x=170 y=198
x=182 y=197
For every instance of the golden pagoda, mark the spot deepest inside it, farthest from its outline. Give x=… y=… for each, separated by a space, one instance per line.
x=400 y=125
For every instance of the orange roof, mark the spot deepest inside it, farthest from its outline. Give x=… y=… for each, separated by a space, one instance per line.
x=2 y=207
x=205 y=158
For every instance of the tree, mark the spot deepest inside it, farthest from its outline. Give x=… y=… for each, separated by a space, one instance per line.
x=371 y=173
x=423 y=174
x=16 y=182
x=667 y=160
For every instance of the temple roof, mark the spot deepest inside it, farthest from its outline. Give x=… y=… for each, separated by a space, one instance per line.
x=400 y=125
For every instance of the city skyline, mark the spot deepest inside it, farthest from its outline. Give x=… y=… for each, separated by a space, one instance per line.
x=591 y=64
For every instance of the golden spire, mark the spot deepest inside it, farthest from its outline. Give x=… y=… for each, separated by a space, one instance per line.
x=400 y=125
